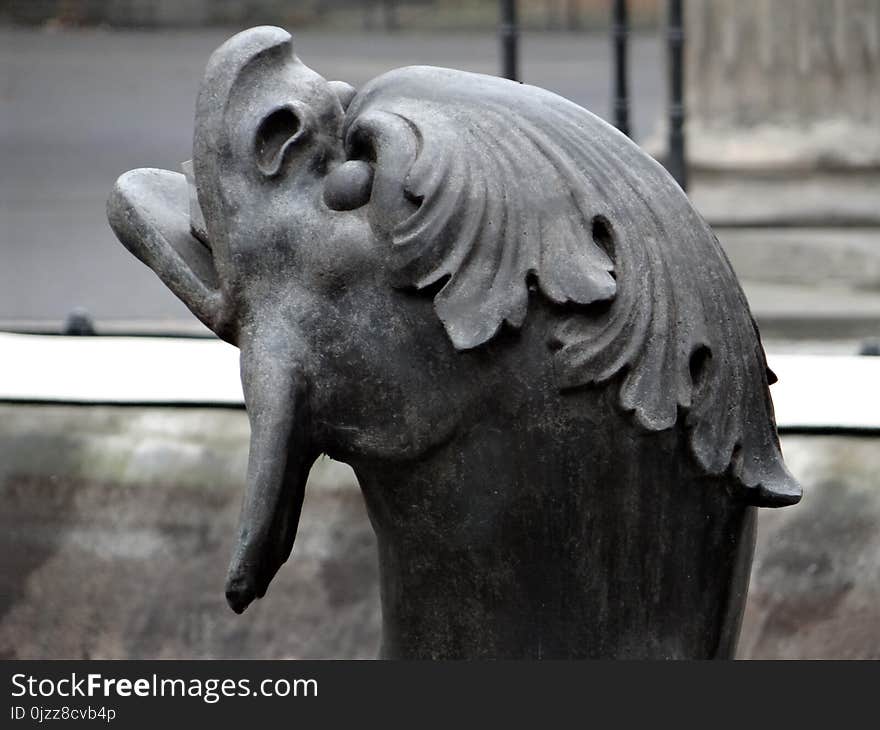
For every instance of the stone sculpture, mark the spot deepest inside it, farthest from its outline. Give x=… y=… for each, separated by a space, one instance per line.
x=512 y=324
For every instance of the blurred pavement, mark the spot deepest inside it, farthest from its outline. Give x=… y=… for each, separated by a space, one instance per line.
x=78 y=108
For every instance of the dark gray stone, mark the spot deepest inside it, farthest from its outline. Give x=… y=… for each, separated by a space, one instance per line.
x=525 y=341
x=117 y=521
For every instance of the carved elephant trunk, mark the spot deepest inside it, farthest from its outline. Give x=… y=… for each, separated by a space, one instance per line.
x=510 y=322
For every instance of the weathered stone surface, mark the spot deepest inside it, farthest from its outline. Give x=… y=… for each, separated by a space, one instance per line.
x=512 y=324
x=815 y=589
x=116 y=525
x=122 y=557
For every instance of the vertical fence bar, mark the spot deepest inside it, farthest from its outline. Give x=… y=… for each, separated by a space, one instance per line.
x=389 y=13
x=675 y=29
x=509 y=33
x=619 y=39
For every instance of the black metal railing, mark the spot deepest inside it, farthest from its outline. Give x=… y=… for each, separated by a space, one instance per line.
x=675 y=162
x=508 y=31
x=675 y=153
x=619 y=40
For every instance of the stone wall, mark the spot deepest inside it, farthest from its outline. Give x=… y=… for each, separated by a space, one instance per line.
x=117 y=523
x=116 y=527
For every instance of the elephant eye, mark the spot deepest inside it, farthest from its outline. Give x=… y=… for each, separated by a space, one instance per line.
x=274 y=135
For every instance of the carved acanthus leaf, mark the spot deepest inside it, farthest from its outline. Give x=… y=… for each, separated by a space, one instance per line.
x=488 y=183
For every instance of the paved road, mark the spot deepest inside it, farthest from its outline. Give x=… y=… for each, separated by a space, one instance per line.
x=78 y=108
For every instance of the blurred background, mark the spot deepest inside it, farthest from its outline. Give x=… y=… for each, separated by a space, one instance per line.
x=117 y=518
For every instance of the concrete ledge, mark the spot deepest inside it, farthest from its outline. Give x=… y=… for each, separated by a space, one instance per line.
x=805 y=198
x=842 y=257
x=809 y=283
x=191 y=372
x=117 y=524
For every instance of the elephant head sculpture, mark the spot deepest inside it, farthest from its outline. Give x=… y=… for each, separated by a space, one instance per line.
x=512 y=324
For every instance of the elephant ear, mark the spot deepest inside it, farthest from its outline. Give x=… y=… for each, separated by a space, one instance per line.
x=482 y=186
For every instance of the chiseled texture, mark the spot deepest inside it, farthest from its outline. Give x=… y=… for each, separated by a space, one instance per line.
x=513 y=182
x=507 y=319
x=117 y=520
